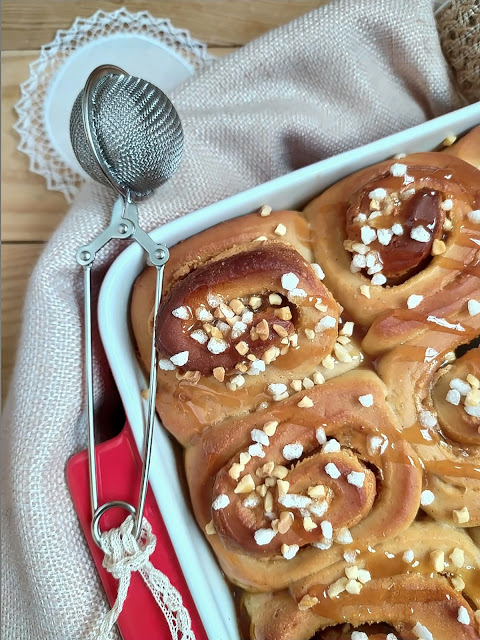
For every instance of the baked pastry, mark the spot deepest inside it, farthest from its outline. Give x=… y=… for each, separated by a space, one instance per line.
x=398 y=232
x=244 y=315
x=437 y=399
x=311 y=467
x=467 y=148
x=288 y=490
x=414 y=585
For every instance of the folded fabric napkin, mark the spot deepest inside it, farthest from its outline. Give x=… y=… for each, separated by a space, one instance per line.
x=338 y=77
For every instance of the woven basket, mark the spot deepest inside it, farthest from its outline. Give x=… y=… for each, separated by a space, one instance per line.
x=459 y=26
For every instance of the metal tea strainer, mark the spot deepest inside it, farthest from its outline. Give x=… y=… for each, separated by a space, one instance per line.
x=125 y=133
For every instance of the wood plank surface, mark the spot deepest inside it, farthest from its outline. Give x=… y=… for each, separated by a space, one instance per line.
x=18 y=261
x=27 y=24
x=30 y=213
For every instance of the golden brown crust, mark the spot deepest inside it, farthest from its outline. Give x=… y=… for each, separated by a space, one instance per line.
x=467 y=148
x=444 y=435
x=193 y=396
x=372 y=510
x=200 y=248
x=400 y=593
x=327 y=216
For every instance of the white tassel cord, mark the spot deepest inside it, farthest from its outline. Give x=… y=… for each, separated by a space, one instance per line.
x=125 y=554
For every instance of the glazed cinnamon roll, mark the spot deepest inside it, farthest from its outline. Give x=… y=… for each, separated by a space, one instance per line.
x=245 y=320
x=467 y=148
x=333 y=487
x=423 y=583
x=435 y=392
x=290 y=490
x=398 y=232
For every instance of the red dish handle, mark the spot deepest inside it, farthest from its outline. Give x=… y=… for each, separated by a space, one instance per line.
x=118 y=478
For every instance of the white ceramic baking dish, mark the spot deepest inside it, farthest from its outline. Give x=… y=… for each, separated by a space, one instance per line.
x=203 y=576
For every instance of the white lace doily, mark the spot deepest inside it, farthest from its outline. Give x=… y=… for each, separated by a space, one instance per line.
x=63 y=66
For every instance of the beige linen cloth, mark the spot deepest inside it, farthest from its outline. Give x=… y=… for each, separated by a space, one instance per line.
x=340 y=76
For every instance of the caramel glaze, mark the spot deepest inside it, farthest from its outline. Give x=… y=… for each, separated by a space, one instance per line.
x=401 y=602
x=463 y=264
x=455 y=422
x=349 y=506
x=252 y=272
x=404 y=256
x=344 y=632
x=455 y=427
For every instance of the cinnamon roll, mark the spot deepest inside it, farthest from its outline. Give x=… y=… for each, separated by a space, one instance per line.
x=289 y=490
x=467 y=148
x=337 y=489
x=423 y=583
x=435 y=392
x=240 y=326
x=398 y=232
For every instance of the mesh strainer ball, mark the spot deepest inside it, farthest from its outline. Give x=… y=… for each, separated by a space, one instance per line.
x=135 y=132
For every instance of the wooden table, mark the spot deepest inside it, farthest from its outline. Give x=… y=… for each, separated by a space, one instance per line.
x=30 y=211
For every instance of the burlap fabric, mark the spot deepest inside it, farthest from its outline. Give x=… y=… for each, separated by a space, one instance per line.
x=343 y=75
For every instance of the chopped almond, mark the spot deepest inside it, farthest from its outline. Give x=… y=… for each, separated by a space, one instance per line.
x=219 y=374
x=236 y=306
x=281 y=331
x=283 y=487
x=265 y=210
x=209 y=528
x=328 y=362
x=261 y=490
x=458 y=583
x=246 y=485
x=275 y=299
x=245 y=457
x=449 y=140
x=263 y=330
x=438 y=247
x=317 y=491
x=309 y=524
x=338 y=587
x=438 y=559
x=280 y=472
x=270 y=354
x=242 y=348
x=461 y=516
x=216 y=333
x=270 y=427
x=268 y=502
x=285 y=522
x=341 y=353
x=473 y=381
x=307 y=602
x=192 y=376
x=283 y=313
x=235 y=470
x=305 y=403
x=365 y=290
